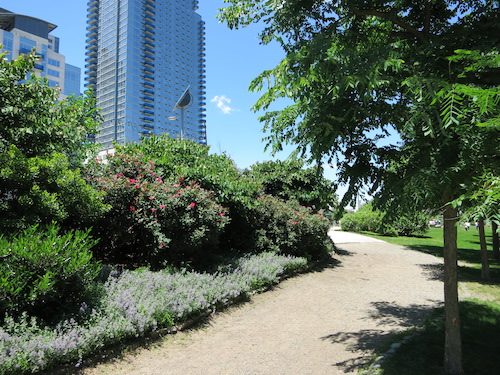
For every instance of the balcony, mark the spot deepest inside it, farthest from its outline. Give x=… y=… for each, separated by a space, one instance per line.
x=148 y=126
x=148 y=99
x=148 y=112
x=148 y=45
x=149 y=19
x=148 y=58
x=148 y=105
x=148 y=92
x=148 y=77
x=91 y=34
x=91 y=27
x=147 y=70
x=147 y=119
x=91 y=59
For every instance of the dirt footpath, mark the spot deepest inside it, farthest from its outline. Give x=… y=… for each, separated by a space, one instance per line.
x=323 y=322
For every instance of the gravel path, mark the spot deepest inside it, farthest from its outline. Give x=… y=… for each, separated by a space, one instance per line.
x=323 y=322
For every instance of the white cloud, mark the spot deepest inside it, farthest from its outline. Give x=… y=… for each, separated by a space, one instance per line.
x=223 y=104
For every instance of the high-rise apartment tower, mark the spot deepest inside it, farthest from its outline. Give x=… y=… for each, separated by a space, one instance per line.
x=142 y=58
x=20 y=34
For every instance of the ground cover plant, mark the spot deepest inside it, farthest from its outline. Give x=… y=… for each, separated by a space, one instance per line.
x=479 y=313
x=133 y=304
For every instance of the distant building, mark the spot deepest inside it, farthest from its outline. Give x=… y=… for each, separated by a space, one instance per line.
x=145 y=61
x=19 y=34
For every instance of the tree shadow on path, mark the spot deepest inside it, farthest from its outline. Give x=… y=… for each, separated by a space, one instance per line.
x=391 y=318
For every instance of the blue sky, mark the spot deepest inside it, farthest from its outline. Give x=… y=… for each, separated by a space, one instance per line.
x=234 y=58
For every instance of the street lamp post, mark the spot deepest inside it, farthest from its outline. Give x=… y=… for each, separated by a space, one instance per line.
x=183 y=102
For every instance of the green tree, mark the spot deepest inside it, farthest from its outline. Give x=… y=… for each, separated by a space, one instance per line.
x=359 y=71
x=290 y=180
x=42 y=143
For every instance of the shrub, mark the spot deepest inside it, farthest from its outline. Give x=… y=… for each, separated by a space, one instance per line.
x=365 y=219
x=44 y=189
x=153 y=220
x=289 y=180
x=388 y=224
x=177 y=158
x=43 y=269
x=288 y=228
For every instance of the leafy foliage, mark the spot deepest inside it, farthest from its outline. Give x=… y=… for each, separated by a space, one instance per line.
x=32 y=119
x=288 y=228
x=44 y=189
x=42 y=142
x=41 y=269
x=175 y=158
x=289 y=180
x=154 y=220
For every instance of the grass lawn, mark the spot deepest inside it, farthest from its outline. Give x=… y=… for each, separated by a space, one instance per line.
x=479 y=313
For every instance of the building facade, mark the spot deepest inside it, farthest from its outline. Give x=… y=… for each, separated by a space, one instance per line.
x=142 y=58
x=19 y=34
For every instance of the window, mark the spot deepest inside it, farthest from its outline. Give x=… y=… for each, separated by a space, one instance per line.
x=54 y=62
x=53 y=73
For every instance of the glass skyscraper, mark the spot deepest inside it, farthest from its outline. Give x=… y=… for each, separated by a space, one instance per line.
x=142 y=57
x=20 y=34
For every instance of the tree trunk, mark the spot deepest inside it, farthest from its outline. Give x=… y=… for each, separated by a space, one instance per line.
x=485 y=267
x=495 y=241
x=453 y=341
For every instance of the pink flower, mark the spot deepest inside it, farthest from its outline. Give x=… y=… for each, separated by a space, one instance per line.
x=152 y=197
x=162 y=206
x=130 y=228
x=192 y=204
x=153 y=209
x=132 y=181
x=295 y=222
x=309 y=208
x=301 y=217
x=138 y=186
x=162 y=245
x=222 y=214
x=181 y=179
x=132 y=208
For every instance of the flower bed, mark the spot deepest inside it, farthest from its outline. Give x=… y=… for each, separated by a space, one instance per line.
x=136 y=303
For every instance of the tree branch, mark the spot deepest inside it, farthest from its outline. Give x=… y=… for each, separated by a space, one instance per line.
x=372 y=12
x=427 y=18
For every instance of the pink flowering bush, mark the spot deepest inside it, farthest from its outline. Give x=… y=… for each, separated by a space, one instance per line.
x=288 y=228
x=154 y=220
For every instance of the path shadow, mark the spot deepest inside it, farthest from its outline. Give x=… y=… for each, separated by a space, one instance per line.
x=433 y=271
x=391 y=317
x=364 y=341
x=391 y=314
